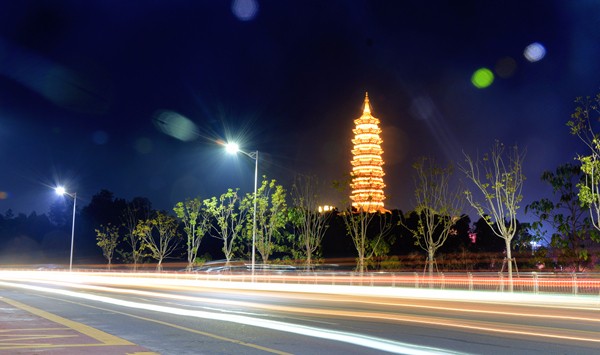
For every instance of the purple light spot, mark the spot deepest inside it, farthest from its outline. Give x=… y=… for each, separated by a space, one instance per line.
x=244 y=10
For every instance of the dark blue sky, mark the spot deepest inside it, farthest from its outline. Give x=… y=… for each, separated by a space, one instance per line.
x=130 y=96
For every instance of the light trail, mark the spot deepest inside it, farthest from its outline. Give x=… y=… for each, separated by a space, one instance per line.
x=322 y=333
x=349 y=293
x=435 y=321
x=186 y=280
x=306 y=297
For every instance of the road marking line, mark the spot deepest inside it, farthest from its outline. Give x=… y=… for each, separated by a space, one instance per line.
x=105 y=338
x=215 y=336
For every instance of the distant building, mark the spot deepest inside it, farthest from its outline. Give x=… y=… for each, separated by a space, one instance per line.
x=326 y=208
x=367 y=164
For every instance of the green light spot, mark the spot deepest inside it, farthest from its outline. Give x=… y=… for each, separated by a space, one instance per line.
x=482 y=78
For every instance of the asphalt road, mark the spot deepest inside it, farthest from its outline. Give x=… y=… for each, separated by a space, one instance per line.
x=172 y=314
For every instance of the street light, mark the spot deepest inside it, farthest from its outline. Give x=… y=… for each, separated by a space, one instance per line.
x=60 y=190
x=234 y=148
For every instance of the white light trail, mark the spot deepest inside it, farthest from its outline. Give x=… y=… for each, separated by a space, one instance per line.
x=322 y=333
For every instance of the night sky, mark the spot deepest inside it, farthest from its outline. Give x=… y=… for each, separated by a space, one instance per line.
x=132 y=96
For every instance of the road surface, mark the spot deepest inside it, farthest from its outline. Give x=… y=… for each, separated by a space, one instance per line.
x=104 y=313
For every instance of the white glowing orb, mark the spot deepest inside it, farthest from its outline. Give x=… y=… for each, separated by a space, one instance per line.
x=60 y=190
x=534 y=52
x=232 y=148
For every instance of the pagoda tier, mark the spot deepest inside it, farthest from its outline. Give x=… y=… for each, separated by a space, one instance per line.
x=367 y=172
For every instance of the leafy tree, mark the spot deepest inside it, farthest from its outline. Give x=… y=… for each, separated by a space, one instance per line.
x=196 y=223
x=498 y=176
x=310 y=223
x=107 y=237
x=271 y=217
x=229 y=216
x=159 y=236
x=569 y=221
x=139 y=208
x=438 y=207
x=581 y=126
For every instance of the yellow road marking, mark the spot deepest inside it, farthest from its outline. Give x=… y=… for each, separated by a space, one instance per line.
x=26 y=329
x=23 y=337
x=215 y=336
x=97 y=334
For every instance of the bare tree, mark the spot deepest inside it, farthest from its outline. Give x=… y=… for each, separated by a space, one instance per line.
x=498 y=176
x=196 y=222
x=310 y=223
x=367 y=241
x=438 y=207
x=138 y=208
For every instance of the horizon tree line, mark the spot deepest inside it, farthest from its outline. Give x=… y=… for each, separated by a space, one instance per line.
x=135 y=232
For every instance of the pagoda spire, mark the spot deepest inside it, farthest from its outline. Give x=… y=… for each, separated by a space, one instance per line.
x=367 y=107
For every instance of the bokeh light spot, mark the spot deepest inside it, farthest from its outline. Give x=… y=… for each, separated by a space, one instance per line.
x=3 y=195
x=505 y=67
x=534 y=52
x=100 y=137
x=143 y=145
x=245 y=10
x=482 y=78
x=175 y=125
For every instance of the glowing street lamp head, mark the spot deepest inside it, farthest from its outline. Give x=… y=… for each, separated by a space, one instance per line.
x=60 y=190
x=232 y=148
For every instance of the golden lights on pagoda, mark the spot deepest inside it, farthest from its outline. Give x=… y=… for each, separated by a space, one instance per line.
x=367 y=165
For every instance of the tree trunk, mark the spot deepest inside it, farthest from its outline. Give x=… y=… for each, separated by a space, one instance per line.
x=430 y=261
x=510 y=261
x=361 y=263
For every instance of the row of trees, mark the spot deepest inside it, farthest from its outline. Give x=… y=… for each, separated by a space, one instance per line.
x=134 y=232
x=232 y=219
x=299 y=229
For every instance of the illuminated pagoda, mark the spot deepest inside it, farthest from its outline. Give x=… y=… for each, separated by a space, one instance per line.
x=367 y=165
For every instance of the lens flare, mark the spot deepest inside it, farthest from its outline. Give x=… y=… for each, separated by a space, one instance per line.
x=505 y=67
x=482 y=78
x=244 y=10
x=534 y=52
x=176 y=125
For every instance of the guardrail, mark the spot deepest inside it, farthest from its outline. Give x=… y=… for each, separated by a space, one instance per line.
x=527 y=282
x=532 y=282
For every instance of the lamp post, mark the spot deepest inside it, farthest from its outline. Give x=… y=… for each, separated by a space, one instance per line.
x=61 y=191
x=234 y=148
